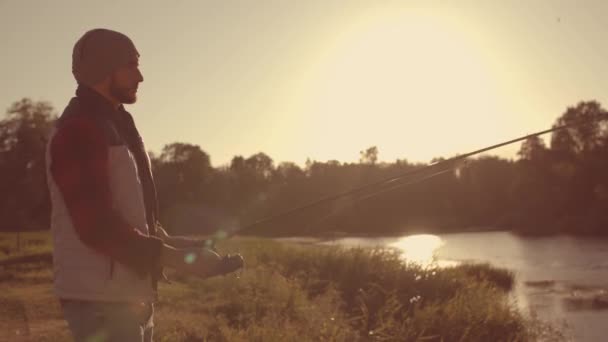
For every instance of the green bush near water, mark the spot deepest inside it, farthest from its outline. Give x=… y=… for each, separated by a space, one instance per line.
x=290 y=292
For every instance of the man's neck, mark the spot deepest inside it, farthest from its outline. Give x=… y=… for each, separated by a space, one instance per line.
x=107 y=96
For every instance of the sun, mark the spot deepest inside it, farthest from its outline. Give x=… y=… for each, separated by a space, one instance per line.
x=392 y=79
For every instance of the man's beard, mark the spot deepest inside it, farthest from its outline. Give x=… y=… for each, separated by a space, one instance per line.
x=122 y=95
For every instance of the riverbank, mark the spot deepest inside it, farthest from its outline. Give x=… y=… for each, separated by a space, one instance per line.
x=290 y=292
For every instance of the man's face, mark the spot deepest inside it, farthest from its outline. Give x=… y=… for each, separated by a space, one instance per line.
x=124 y=82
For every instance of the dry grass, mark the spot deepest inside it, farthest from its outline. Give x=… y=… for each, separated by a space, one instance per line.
x=296 y=293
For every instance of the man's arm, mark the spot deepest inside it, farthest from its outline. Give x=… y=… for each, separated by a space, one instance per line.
x=183 y=241
x=79 y=166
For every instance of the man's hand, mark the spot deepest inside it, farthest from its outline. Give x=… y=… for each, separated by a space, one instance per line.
x=162 y=233
x=230 y=263
x=201 y=262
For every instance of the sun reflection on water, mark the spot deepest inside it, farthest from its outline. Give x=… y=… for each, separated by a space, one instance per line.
x=420 y=249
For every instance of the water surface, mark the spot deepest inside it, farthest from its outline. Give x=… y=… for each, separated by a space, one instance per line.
x=562 y=279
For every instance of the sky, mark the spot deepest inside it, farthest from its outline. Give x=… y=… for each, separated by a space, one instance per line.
x=324 y=79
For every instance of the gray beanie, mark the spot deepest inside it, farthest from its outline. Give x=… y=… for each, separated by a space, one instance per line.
x=98 y=53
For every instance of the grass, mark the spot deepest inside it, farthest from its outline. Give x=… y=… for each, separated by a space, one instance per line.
x=291 y=292
x=29 y=243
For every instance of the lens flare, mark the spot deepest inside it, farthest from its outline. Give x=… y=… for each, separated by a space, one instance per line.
x=221 y=234
x=190 y=258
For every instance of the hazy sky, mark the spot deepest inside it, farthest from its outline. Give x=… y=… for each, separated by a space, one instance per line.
x=325 y=79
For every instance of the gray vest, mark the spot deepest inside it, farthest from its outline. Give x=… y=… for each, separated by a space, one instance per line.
x=81 y=272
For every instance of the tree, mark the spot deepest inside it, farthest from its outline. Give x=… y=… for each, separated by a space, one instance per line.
x=247 y=184
x=182 y=171
x=369 y=156
x=533 y=149
x=583 y=137
x=23 y=138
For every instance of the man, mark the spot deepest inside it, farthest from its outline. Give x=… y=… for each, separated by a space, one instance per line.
x=108 y=247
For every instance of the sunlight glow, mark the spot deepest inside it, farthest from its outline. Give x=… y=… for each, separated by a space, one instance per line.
x=396 y=78
x=419 y=249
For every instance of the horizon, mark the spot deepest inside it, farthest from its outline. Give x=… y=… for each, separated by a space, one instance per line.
x=325 y=80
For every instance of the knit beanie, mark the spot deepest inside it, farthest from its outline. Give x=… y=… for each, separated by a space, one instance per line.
x=98 y=53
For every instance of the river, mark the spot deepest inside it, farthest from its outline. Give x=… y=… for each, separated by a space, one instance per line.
x=562 y=279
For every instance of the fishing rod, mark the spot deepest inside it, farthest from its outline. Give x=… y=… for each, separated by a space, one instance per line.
x=392 y=183
x=381 y=191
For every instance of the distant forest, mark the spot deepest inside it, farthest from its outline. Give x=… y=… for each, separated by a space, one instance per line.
x=560 y=188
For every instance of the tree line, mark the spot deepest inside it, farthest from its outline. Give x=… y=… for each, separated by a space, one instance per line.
x=559 y=187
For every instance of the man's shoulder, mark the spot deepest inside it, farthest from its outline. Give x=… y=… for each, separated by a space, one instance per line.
x=80 y=120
